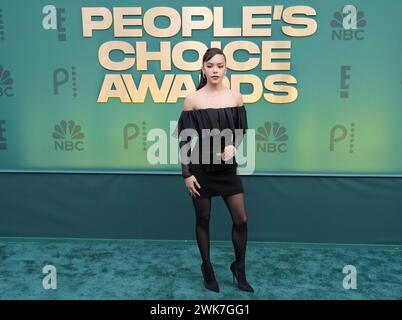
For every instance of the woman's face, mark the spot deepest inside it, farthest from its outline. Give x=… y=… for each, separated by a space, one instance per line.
x=215 y=68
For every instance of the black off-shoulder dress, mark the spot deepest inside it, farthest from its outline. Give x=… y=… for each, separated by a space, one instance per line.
x=216 y=177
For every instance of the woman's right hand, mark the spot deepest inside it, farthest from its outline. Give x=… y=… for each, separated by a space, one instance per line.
x=191 y=182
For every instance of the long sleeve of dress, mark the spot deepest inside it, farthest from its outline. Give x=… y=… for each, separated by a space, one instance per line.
x=240 y=123
x=237 y=139
x=185 y=121
x=185 y=167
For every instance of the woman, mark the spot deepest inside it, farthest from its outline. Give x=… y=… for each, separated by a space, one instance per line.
x=215 y=106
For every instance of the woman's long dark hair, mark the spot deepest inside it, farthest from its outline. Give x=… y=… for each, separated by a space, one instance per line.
x=207 y=56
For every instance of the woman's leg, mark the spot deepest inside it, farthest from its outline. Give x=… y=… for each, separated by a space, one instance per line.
x=237 y=209
x=236 y=206
x=202 y=208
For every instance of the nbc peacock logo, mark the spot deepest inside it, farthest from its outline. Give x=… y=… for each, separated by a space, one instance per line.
x=271 y=138
x=68 y=136
x=348 y=24
x=6 y=89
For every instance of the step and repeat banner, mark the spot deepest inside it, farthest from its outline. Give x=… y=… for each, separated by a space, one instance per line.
x=98 y=86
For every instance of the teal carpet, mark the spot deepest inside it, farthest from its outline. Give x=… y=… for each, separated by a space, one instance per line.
x=140 y=269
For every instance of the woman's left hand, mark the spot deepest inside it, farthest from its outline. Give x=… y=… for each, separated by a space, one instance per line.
x=229 y=152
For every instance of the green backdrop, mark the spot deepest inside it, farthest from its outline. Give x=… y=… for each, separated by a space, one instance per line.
x=345 y=121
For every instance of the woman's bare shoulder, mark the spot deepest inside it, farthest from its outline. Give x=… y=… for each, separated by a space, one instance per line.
x=191 y=101
x=237 y=96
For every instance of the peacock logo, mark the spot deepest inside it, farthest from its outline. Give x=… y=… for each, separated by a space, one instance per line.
x=68 y=136
x=348 y=24
x=273 y=130
x=271 y=137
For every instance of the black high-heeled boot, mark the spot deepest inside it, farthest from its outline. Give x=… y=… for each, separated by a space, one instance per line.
x=209 y=278
x=241 y=278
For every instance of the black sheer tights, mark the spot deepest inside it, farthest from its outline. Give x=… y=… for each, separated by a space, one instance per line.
x=236 y=206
